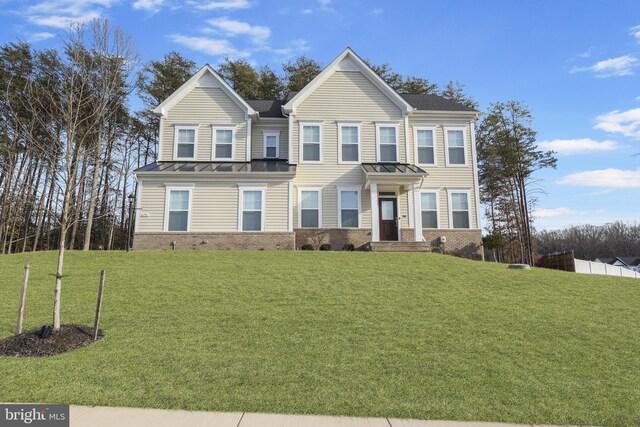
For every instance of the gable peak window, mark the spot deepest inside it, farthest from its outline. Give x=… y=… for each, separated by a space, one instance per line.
x=387 y=136
x=185 y=142
x=311 y=142
x=223 y=139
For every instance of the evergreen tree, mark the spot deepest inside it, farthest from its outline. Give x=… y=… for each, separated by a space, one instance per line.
x=299 y=73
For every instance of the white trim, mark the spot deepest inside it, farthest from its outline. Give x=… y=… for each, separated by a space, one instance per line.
x=446 y=130
x=177 y=187
x=301 y=126
x=437 y=193
x=178 y=128
x=375 y=222
x=398 y=217
x=290 y=210
x=355 y=64
x=214 y=129
x=450 y=208
x=290 y=140
x=160 y=138
x=386 y=125
x=136 y=223
x=417 y=213
x=433 y=130
x=476 y=186
x=358 y=189
x=406 y=140
x=357 y=125
x=264 y=144
x=310 y=189
x=262 y=188
x=193 y=82
x=247 y=154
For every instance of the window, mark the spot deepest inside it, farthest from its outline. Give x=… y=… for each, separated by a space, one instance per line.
x=425 y=147
x=310 y=201
x=349 y=207
x=310 y=143
x=459 y=205
x=178 y=209
x=252 y=212
x=387 y=143
x=271 y=145
x=429 y=206
x=349 y=141
x=455 y=147
x=185 y=142
x=223 y=143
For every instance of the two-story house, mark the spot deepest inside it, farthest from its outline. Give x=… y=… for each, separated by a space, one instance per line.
x=347 y=160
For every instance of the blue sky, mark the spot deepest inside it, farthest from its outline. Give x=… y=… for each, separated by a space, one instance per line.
x=575 y=64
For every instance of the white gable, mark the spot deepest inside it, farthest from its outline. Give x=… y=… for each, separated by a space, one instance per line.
x=348 y=61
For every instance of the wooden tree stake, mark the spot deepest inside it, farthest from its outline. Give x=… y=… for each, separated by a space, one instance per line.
x=99 y=306
x=23 y=296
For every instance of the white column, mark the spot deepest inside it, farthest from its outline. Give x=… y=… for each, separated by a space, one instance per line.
x=375 y=222
x=290 y=223
x=417 y=213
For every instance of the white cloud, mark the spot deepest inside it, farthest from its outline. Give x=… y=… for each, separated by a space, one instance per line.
x=619 y=66
x=61 y=13
x=148 y=5
x=626 y=123
x=323 y=6
x=307 y=11
x=229 y=27
x=38 y=37
x=604 y=178
x=214 y=47
x=293 y=48
x=224 y=4
x=549 y=213
x=577 y=146
x=635 y=32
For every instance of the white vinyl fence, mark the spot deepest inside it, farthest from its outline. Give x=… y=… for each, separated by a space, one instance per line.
x=590 y=267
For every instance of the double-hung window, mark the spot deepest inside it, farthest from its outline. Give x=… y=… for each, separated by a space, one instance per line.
x=223 y=139
x=429 y=207
x=349 y=142
x=252 y=209
x=310 y=201
x=425 y=146
x=455 y=147
x=310 y=143
x=459 y=209
x=178 y=209
x=271 y=145
x=387 y=136
x=185 y=142
x=349 y=207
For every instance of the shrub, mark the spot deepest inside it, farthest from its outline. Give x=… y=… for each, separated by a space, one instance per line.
x=306 y=247
x=325 y=247
x=349 y=247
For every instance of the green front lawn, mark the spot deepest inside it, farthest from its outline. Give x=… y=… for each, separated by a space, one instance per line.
x=367 y=334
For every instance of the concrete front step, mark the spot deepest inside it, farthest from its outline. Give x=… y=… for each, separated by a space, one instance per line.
x=400 y=247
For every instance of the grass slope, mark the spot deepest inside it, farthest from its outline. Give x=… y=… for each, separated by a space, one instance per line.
x=366 y=334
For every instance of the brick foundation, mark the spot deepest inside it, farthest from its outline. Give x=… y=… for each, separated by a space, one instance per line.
x=466 y=243
x=214 y=241
x=336 y=237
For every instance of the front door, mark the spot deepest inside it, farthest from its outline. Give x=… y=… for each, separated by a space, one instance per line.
x=388 y=219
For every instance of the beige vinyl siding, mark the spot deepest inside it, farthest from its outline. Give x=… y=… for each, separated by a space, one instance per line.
x=215 y=206
x=204 y=106
x=346 y=96
x=442 y=177
x=257 y=138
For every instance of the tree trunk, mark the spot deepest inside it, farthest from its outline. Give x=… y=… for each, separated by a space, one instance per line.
x=94 y=194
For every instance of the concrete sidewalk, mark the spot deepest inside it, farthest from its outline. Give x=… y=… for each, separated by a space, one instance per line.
x=102 y=416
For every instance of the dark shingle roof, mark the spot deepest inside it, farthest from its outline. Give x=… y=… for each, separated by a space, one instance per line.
x=433 y=102
x=631 y=261
x=267 y=108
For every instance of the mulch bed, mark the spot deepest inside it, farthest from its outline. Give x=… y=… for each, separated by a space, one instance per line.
x=30 y=344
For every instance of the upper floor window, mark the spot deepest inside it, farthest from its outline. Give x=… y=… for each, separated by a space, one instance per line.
x=425 y=146
x=310 y=201
x=455 y=147
x=271 y=145
x=178 y=209
x=310 y=143
x=252 y=209
x=349 y=142
x=459 y=209
x=387 y=136
x=223 y=138
x=349 y=207
x=429 y=208
x=185 y=142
